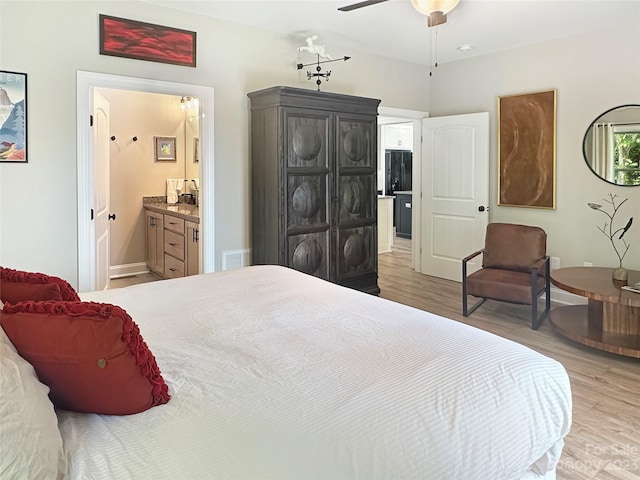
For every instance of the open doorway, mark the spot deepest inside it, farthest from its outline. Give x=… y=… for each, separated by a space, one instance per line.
x=399 y=162
x=87 y=83
x=136 y=119
x=397 y=140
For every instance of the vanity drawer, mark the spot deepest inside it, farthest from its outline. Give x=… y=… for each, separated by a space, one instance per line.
x=173 y=267
x=174 y=224
x=174 y=244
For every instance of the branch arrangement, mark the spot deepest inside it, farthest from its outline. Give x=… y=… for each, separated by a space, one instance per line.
x=608 y=230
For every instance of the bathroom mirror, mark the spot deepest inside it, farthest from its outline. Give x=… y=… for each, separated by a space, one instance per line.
x=192 y=142
x=611 y=145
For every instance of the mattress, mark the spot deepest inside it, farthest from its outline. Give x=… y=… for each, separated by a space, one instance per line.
x=277 y=374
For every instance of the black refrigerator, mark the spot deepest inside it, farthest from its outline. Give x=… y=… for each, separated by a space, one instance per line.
x=398 y=179
x=398 y=170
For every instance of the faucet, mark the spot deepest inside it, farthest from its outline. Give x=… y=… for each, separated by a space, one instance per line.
x=196 y=192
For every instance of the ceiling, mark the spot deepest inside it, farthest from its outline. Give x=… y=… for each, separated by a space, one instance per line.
x=395 y=29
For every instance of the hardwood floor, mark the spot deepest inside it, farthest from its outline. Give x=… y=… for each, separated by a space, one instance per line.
x=604 y=442
x=132 y=280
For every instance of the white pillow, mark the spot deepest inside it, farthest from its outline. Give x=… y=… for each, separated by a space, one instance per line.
x=29 y=435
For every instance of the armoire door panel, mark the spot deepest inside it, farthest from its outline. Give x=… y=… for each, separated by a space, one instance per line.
x=309 y=253
x=356 y=140
x=307 y=200
x=356 y=251
x=356 y=196
x=306 y=139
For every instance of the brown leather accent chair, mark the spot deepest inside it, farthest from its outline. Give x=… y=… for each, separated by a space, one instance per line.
x=515 y=269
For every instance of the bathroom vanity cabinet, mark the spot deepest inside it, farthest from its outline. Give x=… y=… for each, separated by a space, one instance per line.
x=172 y=241
x=155 y=239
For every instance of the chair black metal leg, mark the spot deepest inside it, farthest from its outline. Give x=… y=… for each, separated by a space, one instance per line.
x=474 y=308
x=465 y=310
x=535 y=320
x=464 y=288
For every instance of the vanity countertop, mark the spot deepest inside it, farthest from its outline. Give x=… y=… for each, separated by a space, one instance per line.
x=182 y=210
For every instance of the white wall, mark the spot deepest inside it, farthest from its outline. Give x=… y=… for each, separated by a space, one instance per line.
x=592 y=73
x=51 y=41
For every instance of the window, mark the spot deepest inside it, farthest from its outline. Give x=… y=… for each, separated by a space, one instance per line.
x=626 y=154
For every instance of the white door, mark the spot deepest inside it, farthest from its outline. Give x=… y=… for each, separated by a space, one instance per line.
x=455 y=192
x=101 y=202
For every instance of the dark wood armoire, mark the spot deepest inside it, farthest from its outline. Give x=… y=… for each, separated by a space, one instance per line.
x=314 y=192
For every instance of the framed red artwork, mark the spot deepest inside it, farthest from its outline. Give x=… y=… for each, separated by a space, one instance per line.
x=120 y=37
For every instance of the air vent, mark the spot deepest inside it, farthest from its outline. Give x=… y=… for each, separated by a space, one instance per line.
x=235 y=259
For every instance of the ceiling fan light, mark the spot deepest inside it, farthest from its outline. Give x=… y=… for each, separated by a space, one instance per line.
x=427 y=7
x=436 y=18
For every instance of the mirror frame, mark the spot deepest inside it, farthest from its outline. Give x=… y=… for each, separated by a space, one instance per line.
x=584 y=143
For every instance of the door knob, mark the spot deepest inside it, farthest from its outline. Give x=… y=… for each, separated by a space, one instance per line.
x=111 y=216
x=481 y=208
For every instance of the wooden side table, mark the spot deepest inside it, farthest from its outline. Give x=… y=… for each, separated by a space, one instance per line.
x=610 y=321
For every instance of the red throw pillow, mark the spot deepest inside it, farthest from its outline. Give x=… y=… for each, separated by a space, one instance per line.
x=91 y=355
x=17 y=286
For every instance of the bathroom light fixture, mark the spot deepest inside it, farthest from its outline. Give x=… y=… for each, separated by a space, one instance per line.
x=185 y=103
x=465 y=47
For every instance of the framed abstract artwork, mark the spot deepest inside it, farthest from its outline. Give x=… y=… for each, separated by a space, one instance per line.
x=165 y=149
x=13 y=117
x=527 y=149
x=120 y=37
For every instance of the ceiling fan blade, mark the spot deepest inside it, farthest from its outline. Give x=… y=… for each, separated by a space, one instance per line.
x=354 y=6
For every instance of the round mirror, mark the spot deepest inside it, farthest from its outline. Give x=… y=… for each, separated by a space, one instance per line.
x=611 y=146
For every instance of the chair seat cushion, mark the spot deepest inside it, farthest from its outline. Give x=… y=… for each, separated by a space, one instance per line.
x=503 y=285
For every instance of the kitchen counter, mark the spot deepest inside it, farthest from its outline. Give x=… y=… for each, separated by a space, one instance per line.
x=385 y=223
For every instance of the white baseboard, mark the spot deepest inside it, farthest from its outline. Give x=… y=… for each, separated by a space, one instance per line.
x=563 y=297
x=129 y=270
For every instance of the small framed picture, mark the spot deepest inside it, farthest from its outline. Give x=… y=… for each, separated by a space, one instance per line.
x=196 y=150
x=165 y=149
x=13 y=117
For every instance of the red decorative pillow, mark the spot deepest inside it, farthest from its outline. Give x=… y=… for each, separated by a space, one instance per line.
x=17 y=286
x=91 y=355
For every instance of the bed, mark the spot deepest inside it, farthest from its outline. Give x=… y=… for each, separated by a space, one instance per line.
x=277 y=374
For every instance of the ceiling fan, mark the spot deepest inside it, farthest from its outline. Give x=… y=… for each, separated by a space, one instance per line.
x=435 y=10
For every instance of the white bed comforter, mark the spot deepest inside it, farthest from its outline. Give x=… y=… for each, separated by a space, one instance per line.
x=276 y=374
